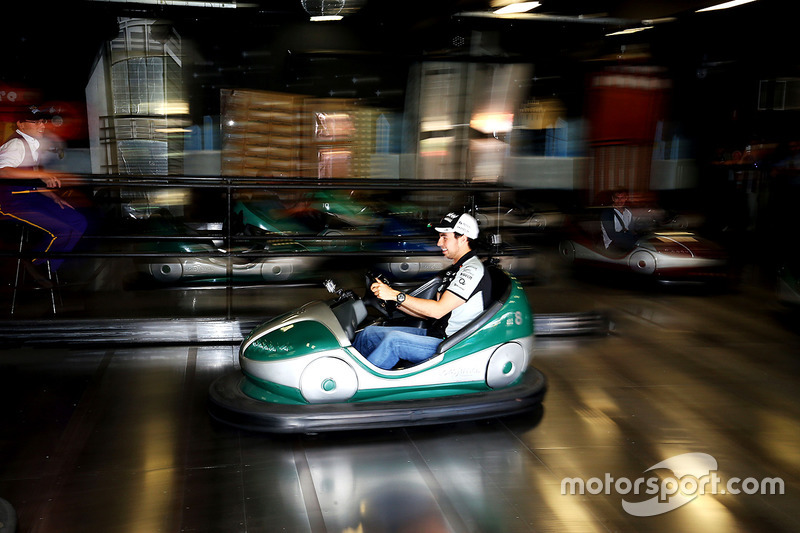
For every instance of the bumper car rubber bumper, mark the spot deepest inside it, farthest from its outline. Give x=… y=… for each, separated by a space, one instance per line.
x=228 y=404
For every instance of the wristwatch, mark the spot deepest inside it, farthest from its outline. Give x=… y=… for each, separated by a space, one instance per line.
x=401 y=297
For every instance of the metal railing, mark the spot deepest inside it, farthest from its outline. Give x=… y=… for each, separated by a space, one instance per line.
x=108 y=195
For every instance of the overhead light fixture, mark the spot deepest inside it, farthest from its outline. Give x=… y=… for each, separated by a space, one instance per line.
x=662 y=20
x=184 y=3
x=330 y=10
x=325 y=18
x=629 y=31
x=725 y=5
x=519 y=7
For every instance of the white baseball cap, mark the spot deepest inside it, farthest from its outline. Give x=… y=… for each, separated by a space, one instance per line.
x=464 y=224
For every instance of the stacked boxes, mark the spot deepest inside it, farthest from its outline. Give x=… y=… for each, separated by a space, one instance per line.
x=269 y=134
x=344 y=137
x=264 y=134
x=334 y=135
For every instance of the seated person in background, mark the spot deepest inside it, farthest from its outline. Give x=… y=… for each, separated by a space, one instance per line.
x=26 y=195
x=463 y=295
x=615 y=224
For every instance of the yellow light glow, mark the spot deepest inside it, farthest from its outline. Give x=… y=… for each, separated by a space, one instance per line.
x=725 y=5
x=435 y=147
x=520 y=7
x=492 y=122
x=676 y=239
x=435 y=125
x=170 y=108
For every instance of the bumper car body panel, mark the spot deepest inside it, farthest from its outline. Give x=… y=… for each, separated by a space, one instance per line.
x=228 y=404
x=668 y=255
x=300 y=372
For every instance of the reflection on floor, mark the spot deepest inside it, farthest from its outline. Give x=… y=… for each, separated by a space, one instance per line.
x=117 y=439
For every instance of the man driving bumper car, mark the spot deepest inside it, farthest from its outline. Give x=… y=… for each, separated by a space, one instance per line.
x=464 y=293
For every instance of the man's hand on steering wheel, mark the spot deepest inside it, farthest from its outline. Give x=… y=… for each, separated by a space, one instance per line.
x=379 y=291
x=384 y=291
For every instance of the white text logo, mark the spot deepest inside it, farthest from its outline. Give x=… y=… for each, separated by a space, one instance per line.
x=693 y=475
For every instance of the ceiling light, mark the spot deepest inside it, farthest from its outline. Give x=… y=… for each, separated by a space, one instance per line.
x=662 y=20
x=725 y=5
x=629 y=31
x=327 y=10
x=185 y=3
x=520 y=7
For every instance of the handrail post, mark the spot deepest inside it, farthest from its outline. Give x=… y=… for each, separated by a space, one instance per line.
x=228 y=256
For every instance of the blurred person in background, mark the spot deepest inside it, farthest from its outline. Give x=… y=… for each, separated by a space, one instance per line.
x=27 y=195
x=615 y=224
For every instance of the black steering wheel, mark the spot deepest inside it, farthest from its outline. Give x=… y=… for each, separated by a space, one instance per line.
x=385 y=307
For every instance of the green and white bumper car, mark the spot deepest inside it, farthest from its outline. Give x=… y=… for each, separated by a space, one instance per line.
x=301 y=374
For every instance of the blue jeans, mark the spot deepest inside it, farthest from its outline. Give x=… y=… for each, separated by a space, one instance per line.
x=385 y=346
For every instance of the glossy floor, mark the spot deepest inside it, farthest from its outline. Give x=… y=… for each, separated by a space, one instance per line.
x=118 y=440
